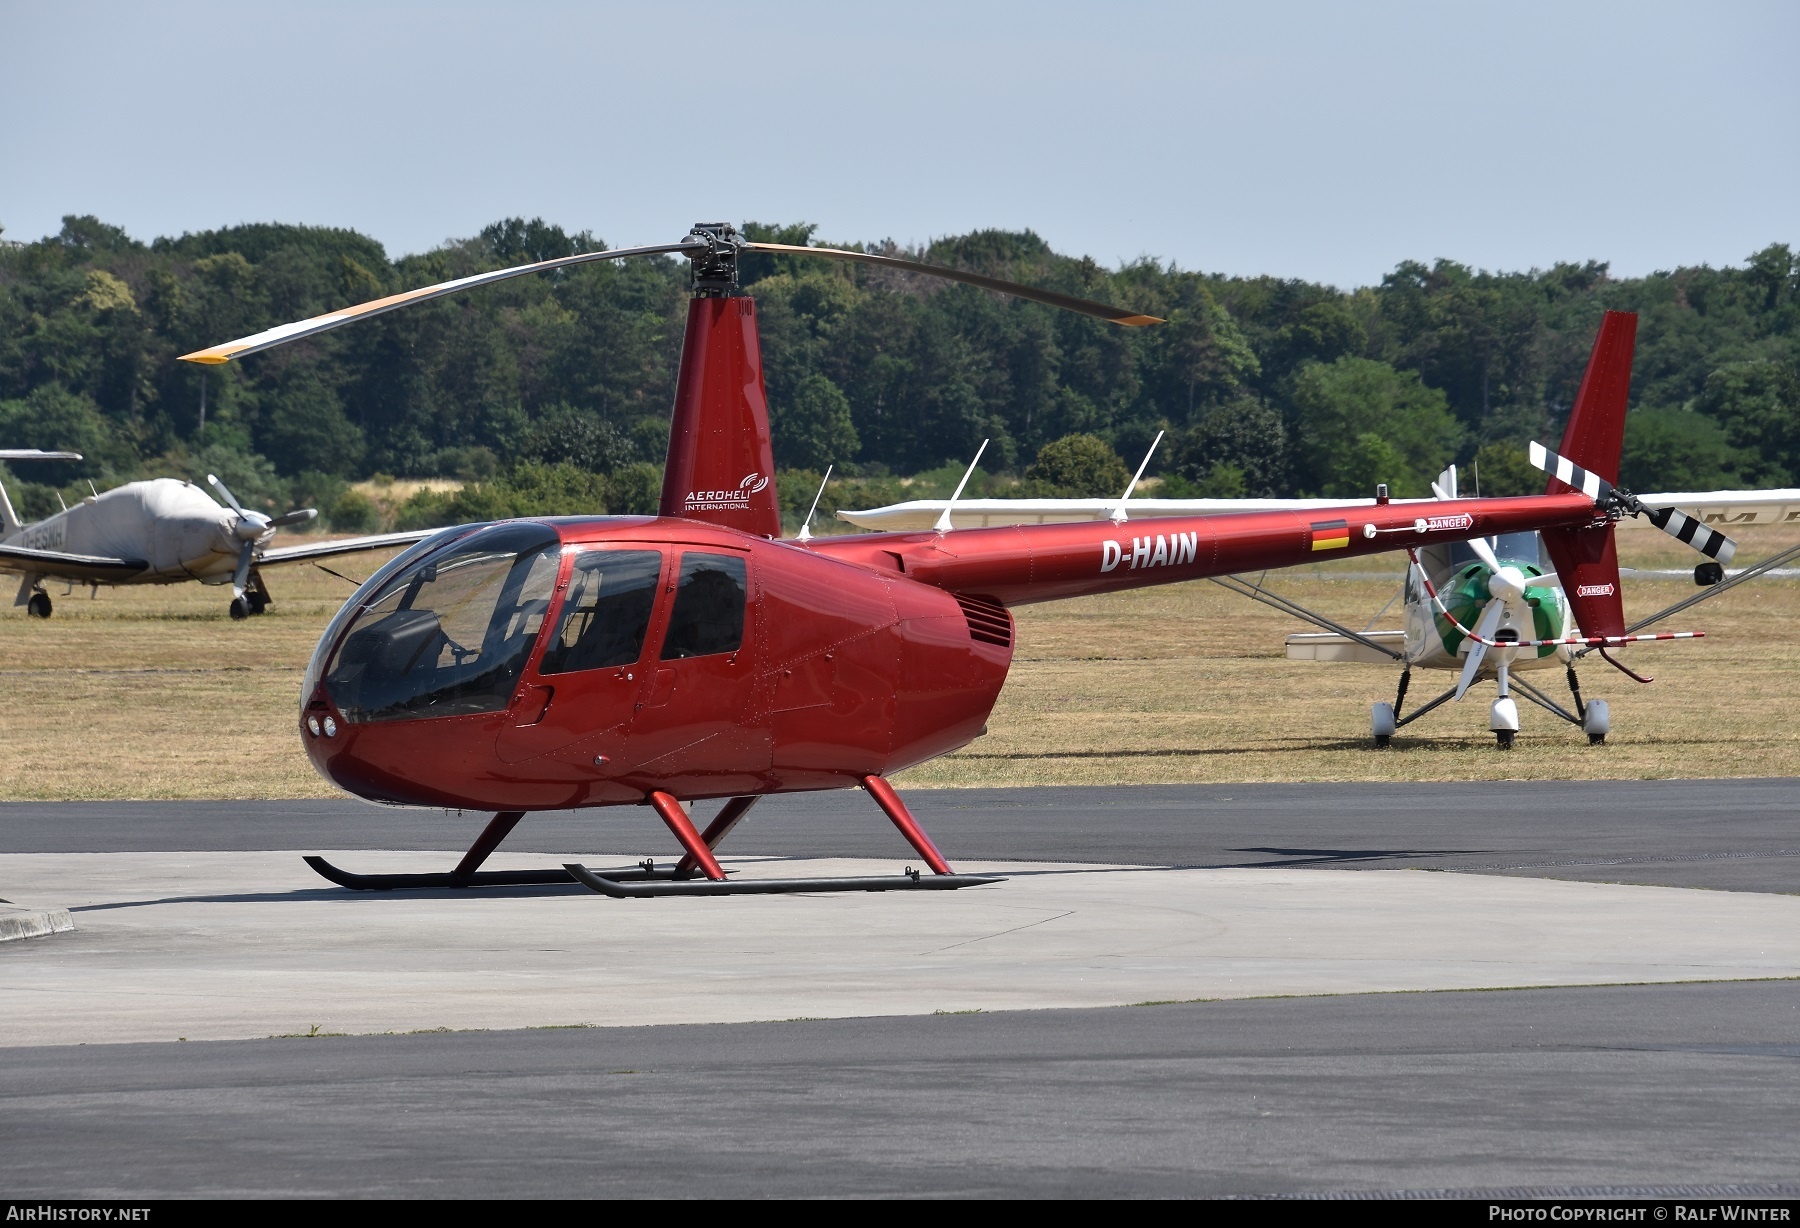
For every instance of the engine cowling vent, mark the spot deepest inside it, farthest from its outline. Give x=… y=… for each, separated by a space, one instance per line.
x=989 y=621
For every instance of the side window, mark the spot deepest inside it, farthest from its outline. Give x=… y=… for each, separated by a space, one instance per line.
x=709 y=607
x=605 y=612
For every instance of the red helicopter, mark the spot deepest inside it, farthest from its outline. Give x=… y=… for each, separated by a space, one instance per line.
x=570 y=662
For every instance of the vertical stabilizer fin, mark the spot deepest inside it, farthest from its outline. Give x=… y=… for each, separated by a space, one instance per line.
x=721 y=465
x=1587 y=559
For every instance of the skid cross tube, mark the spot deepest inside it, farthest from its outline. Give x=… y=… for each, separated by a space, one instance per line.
x=669 y=811
x=895 y=809
x=729 y=816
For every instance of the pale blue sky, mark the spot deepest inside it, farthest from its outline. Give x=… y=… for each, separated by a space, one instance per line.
x=1324 y=141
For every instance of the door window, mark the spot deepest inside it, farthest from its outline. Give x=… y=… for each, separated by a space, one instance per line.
x=606 y=611
x=709 y=607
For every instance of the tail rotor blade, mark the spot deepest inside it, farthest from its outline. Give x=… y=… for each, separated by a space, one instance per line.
x=1685 y=528
x=1569 y=473
x=1677 y=524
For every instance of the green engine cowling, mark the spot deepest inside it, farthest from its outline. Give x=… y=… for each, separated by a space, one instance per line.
x=1468 y=595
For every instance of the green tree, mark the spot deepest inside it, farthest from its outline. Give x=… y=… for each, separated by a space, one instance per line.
x=1677 y=449
x=1503 y=468
x=1758 y=404
x=1079 y=466
x=1245 y=437
x=815 y=428
x=1362 y=422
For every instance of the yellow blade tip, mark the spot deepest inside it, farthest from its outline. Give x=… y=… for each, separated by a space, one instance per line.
x=209 y=357
x=1139 y=321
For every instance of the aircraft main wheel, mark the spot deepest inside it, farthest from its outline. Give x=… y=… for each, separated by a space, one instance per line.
x=240 y=609
x=1596 y=721
x=1505 y=737
x=39 y=605
x=258 y=602
x=1382 y=724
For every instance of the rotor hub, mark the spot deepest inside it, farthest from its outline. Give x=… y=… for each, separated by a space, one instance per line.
x=716 y=268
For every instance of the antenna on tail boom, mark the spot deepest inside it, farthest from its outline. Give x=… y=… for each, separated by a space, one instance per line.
x=1118 y=513
x=943 y=524
x=805 y=534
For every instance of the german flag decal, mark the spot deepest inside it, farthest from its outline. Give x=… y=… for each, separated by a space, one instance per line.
x=1330 y=534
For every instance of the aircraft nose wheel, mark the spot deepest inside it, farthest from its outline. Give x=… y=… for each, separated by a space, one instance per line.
x=240 y=609
x=39 y=605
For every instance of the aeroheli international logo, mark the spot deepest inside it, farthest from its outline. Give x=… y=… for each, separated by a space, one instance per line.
x=727 y=500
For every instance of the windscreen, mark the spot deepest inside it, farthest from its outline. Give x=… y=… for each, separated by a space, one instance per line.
x=606 y=611
x=449 y=636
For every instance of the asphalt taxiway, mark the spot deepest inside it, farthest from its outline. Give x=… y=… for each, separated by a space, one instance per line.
x=198 y=920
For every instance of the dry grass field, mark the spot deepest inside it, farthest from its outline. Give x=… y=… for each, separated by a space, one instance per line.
x=156 y=693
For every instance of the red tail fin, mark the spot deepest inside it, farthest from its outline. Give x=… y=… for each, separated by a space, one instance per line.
x=1586 y=561
x=720 y=466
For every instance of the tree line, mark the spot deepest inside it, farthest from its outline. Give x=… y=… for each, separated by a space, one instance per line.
x=552 y=393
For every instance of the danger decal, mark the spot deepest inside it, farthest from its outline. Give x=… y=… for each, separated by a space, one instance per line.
x=1160 y=551
x=1330 y=534
x=1461 y=521
x=1595 y=590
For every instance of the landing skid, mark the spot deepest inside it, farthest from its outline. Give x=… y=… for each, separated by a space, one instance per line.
x=612 y=885
x=647 y=880
x=483 y=878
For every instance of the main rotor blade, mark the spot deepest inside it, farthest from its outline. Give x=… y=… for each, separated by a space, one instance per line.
x=1050 y=298
x=284 y=333
x=12 y=454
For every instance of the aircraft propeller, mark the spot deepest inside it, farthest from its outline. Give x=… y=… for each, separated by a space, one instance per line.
x=249 y=529
x=1506 y=582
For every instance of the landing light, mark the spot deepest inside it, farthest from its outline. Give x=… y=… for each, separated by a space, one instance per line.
x=312 y=725
x=330 y=724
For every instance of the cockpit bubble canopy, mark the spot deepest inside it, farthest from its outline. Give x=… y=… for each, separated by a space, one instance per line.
x=450 y=634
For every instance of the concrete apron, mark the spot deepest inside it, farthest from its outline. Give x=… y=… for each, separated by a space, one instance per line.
x=231 y=945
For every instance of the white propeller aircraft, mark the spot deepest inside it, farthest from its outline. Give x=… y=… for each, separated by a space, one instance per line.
x=161 y=531
x=1484 y=609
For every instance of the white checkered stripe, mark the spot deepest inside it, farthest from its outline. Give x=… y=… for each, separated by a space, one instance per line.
x=1563 y=469
x=1683 y=527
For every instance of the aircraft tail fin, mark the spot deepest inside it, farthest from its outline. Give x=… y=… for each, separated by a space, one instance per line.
x=721 y=464
x=1587 y=559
